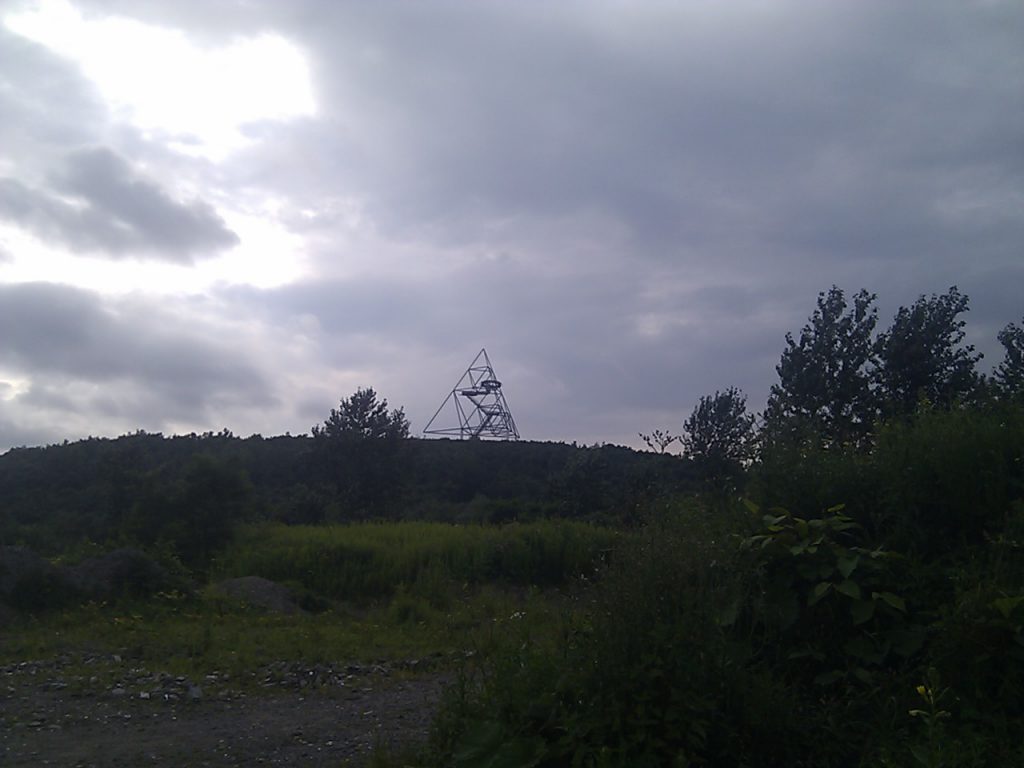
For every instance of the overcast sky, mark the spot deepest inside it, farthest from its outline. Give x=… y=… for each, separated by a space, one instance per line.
x=232 y=214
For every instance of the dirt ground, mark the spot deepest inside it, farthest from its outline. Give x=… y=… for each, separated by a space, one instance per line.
x=102 y=711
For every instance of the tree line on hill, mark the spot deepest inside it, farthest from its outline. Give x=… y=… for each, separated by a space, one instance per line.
x=184 y=493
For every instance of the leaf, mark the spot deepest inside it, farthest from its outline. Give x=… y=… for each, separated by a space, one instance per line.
x=751 y=506
x=849 y=588
x=818 y=592
x=1006 y=605
x=864 y=676
x=847 y=565
x=893 y=601
x=862 y=611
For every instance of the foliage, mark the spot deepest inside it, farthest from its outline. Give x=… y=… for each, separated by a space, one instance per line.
x=805 y=477
x=829 y=606
x=921 y=355
x=97 y=494
x=659 y=440
x=366 y=561
x=932 y=484
x=1009 y=376
x=362 y=417
x=359 y=446
x=947 y=479
x=824 y=378
x=195 y=516
x=718 y=436
x=645 y=675
x=196 y=634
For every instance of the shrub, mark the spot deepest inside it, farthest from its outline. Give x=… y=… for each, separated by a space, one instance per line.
x=948 y=478
x=648 y=673
x=370 y=560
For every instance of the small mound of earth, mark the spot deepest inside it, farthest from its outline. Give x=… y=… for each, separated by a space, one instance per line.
x=260 y=593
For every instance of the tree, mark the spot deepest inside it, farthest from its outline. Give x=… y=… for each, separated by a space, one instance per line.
x=718 y=436
x=358 y=447
x=1009 y=376
x=921 y=356
x=825 y=377
x=194 y=509
x=361 y=417
x=659 y=440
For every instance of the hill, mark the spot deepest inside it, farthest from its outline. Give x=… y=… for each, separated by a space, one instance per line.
x=146 y=487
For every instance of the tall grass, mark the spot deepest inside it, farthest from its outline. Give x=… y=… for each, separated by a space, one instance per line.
x=371 y=560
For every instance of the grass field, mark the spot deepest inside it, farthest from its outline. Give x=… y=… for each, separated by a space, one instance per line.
x=366 y=562
x=377 y=592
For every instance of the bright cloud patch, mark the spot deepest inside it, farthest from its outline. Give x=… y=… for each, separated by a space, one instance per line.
x=199 y=99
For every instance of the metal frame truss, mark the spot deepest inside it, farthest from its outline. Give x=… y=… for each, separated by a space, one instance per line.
x=479 y=405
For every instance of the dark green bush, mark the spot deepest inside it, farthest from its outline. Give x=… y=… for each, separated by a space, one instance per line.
x=930 y=484
x=42 y=591
x=949 y=478
x=649 y=673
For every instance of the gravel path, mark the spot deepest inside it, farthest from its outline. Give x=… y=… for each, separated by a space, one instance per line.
x=74 y=711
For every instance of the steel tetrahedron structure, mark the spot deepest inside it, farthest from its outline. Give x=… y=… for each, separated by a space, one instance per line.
x=479 y=405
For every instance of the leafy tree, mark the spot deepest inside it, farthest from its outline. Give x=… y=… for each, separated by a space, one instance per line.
x=193 y=508
x=360 y=417
x=358 y=446
x=921 y=357
x=825 y=377
x=718 y=436
x=1009 y=376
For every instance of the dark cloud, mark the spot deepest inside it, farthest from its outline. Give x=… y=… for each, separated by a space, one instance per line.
x=115 y=212
x=45 y=100
x=797 y=127
x=84 y=355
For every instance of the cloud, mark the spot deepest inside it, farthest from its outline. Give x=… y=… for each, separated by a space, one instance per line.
x=121 y=362
x=628 y=205
x=114 y=211
x=45 y=100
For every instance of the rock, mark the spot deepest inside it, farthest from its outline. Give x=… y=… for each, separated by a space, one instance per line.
x=260 y=593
